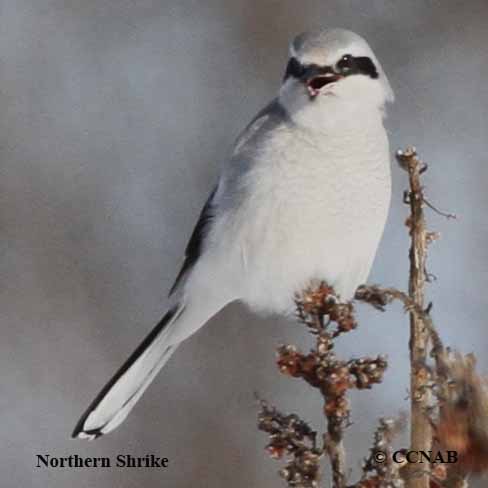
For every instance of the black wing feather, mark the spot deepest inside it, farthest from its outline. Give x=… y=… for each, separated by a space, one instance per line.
x=276 y=115
x=195 y=244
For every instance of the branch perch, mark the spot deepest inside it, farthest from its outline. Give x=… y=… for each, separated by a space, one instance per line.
x=420 y=433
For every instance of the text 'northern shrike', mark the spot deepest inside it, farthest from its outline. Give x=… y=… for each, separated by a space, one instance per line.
x=304 y=196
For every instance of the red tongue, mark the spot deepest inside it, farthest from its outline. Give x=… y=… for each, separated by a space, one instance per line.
x=312 y=91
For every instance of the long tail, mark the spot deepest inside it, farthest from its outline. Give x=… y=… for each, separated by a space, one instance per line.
x=120 y=394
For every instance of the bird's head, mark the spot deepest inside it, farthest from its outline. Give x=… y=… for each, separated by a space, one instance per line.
x=333 y=68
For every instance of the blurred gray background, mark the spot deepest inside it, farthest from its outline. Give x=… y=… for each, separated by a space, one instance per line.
x=115 y=117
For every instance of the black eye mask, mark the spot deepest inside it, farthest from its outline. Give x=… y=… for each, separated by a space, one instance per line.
x=294 y=69
x=361 y=65
x=347 y=66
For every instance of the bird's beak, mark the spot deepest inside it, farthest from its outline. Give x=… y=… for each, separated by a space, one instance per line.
x=316 y=79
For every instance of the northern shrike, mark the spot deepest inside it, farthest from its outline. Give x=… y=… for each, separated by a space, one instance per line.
x=304 y=196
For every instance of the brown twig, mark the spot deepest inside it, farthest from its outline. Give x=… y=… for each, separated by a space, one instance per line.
x=379 y=297
x=421 y=432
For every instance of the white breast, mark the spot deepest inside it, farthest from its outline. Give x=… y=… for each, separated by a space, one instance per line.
x=316 y=210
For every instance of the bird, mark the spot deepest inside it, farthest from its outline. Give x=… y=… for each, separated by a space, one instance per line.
x=303 y=196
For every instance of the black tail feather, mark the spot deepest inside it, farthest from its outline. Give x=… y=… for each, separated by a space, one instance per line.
x=132 y=358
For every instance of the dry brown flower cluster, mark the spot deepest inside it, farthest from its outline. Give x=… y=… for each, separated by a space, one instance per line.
x=385 y=474
x=326 y=319
x=458 y=412
x=462 y=419
x=291 y=437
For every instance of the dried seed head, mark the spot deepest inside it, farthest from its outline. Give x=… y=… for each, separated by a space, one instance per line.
x=463 y=419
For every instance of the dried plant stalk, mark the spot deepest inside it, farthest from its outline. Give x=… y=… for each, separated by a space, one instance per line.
x=421 y=433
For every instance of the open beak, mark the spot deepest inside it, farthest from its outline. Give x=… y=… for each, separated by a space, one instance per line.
x=316 y=83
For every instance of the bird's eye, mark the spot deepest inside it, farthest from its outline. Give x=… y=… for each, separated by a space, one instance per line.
x=294 y=69
x=345 y=64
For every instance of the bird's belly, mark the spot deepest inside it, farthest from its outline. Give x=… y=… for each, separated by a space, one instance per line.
x=312 y=223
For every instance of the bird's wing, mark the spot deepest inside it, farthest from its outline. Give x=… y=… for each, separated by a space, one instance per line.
x=195 y=244
x=227 y=191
